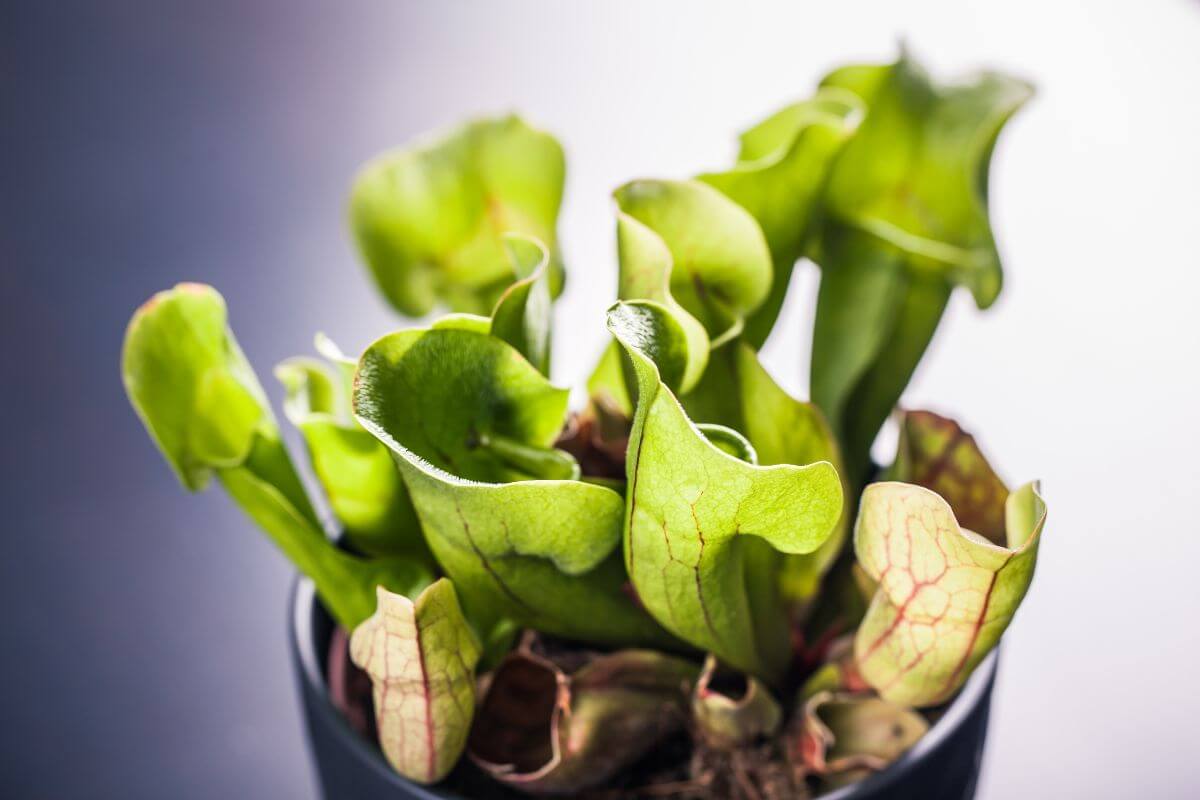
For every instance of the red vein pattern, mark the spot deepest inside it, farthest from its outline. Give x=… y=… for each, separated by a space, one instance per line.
x=421 y=660
x=945 y=593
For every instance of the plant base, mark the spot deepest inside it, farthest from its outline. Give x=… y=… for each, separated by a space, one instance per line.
x=944 y=765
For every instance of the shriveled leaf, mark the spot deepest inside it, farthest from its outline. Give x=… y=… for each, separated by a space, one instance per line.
x=946 y=594
x=421 y=659
x=844 y=737
x=727 y=716
x=779 y=178
x=356 y=471
x=597 y=438
x=701 y=526
x=906 y=221
x=472 y=425
x=545 y=731
x=202 y=404
x=936 y=453
x=430 y=218
x=522 y=315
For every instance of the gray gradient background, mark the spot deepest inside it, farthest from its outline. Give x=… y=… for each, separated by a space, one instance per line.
x=143 y=651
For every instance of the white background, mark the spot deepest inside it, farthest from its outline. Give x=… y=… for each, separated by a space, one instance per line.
x=1084 y=374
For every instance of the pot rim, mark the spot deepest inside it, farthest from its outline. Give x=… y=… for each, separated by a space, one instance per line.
x=304 y=652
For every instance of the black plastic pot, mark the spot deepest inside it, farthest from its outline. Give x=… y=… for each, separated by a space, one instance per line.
x=944 y=765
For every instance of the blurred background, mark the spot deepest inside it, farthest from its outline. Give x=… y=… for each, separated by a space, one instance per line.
x=147 y=142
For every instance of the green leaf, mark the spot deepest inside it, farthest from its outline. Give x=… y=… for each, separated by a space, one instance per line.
x=448 y=394
x=737 y=392
x=365 y=493
x=946 y=594
x=719 y=268
x=873 y=323
x=729 y=441
x=475 y=323
x=915 y=173
x=785 y=430
x=472 y=425
x=606 y=385
x=343 y=365
x=686 y=247
x=906 y=221
x=181 y=366
x=647 y=269
x=421 y=659
x=345 y=582
x=522 y=316
x=430 y=219
x=546 y=731
x=203 y=406
x=701 y=526
x=779 y=178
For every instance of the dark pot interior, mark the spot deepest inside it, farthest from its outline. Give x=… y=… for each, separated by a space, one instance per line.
x=944 y=765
